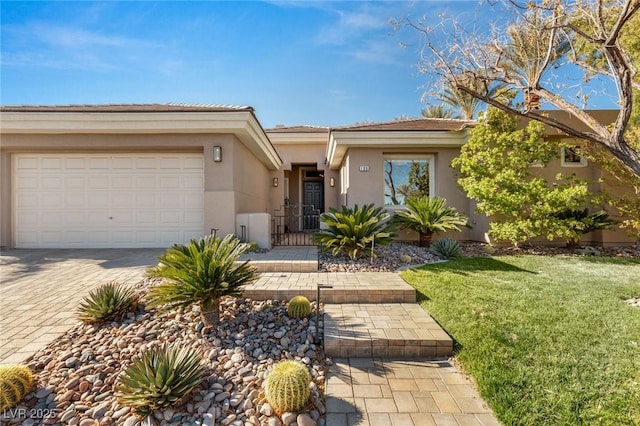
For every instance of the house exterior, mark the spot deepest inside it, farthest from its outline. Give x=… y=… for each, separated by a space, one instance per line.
x=154 y=175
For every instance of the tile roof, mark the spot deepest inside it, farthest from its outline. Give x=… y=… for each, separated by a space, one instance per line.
x=298 y=129
x=170 y=107
x=413 y=124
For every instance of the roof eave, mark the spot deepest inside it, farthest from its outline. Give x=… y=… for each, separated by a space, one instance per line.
x=341 y=141
x=242 y=123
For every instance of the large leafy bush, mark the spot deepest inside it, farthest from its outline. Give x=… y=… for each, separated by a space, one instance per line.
x=355 y=231
x=201 y=273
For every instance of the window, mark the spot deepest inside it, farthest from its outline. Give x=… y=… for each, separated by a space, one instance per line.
x=406 y=177
x=571 y=156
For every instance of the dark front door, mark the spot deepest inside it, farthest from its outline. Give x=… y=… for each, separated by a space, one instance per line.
x=313 y=204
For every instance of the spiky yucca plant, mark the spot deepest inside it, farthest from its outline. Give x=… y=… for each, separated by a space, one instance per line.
x=105 y=302
x=201 y=272
x=446 y=248
x=354 y=230
x=159 y=378
x=299 y=307
x=287 y=386
x=16 y=381
x=429 y=216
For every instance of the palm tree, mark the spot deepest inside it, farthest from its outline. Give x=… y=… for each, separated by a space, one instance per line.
x=527 y=55
x=201 y=273
x=462 y=101
x=429 y=216
x=439 y=111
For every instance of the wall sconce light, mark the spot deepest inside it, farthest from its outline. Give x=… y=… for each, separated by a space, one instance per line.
x=217 y=154
x=332 y=182
x=275 y=182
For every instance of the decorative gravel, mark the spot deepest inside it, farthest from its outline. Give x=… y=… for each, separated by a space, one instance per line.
x=388 y=258
x=77 y=373
x=400 y=255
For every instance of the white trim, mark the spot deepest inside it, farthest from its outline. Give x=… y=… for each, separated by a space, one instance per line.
x=563 y=163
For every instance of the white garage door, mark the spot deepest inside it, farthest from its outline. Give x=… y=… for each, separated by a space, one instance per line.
x=107 y=200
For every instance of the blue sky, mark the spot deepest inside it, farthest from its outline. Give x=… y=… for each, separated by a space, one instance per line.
x=298 y=62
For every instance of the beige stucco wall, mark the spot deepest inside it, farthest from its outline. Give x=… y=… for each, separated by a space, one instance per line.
x=5 y=199
x=294 y=155
x=591 y=173
x=236 y=184
x=368 y=187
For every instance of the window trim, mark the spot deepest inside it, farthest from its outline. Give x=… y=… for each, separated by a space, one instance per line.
x=409 y=157
x=583 y=159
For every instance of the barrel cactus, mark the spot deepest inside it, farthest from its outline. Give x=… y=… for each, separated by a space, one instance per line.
x=16 y=381
x=160 y=378
x=299 y=307
x=287 y=386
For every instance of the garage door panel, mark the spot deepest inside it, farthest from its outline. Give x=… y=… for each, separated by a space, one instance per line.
x=27 y=163
x=74 y=163
x=26 y=201
x=27 y=183
x=74 y=182
x=99 y=163
x=75 y=201
x=194 y=182
x=52 y=200
x=98 y=200
x=28 y=219
x=48 y=163
x=49 y=181
x=121 y=182
x=51 y=219
x=27 y=239
x=193 y=217
x=192 y=201
x=146 y=182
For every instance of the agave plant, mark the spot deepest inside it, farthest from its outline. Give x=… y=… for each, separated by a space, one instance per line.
x=201 y=273
x=354 y=230
x=446 y=248
x=429 y=216
x=107 y=301
x=159 y=378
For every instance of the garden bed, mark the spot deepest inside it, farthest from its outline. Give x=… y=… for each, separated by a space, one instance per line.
x=76 y=375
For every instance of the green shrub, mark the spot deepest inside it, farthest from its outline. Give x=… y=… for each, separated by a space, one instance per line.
x=578 y=222
x=287 y=386
x=354 y=231
x=201 y=273
x=446 y=248
x=108 y=301
x=429 y=216
x=159 y=378
x=16 y=381
x=299 y=307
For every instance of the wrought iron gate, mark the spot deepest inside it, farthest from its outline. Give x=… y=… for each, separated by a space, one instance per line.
x=294 y=225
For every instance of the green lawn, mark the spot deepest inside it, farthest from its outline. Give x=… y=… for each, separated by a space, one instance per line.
x=548 y=340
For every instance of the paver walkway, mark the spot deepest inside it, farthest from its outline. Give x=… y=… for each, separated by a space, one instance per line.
x=401 y=392
x=40 y=289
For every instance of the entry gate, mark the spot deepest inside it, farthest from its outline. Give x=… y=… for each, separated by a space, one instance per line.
x=294 y=225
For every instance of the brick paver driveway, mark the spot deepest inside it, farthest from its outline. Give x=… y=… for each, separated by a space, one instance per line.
x=40 y=289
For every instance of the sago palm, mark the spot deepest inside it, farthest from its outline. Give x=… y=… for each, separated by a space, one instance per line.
x=429 y=216
x=354 y=230
x=201 y=272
